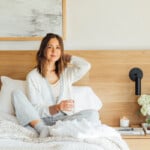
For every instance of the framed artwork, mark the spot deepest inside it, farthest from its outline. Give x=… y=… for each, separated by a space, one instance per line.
x=31 y=19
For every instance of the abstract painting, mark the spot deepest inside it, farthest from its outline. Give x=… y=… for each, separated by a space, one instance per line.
x=30 y=19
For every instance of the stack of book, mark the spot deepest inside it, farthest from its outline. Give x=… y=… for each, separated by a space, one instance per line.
x=130 y=130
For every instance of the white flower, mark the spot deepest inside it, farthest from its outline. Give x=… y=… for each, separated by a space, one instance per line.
x=144 y=101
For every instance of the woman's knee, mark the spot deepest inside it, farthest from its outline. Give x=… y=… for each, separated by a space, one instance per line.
x=91 y=114
x=16 y=96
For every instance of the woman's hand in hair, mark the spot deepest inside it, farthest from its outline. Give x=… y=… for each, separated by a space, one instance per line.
x=67 y=58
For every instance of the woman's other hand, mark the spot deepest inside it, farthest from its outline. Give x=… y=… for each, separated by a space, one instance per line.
x=66 y=105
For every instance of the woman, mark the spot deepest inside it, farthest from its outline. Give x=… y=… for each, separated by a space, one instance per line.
x=49 y=88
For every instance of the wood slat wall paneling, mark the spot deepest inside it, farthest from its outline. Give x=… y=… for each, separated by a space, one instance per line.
x=108 y=77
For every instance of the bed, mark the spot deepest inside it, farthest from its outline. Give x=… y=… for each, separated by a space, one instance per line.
x=14 y=65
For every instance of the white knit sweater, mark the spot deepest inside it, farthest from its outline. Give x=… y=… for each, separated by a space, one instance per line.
x=38 y=89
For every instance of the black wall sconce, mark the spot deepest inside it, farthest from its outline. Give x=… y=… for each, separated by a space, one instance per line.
x=136 y=75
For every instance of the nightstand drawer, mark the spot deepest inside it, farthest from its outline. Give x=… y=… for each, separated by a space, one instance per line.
x=138 y=142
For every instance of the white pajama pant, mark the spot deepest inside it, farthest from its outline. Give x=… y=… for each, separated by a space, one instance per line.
x=26 y=113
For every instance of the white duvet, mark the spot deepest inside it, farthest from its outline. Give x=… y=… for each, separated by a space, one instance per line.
x=68 y=135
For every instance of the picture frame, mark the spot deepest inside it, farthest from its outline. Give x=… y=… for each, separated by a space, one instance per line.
x=23 y=20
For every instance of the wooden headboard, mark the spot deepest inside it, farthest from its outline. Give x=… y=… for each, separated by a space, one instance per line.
x=108 y=77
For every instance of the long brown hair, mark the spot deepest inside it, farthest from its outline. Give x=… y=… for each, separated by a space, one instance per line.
x=41 y=55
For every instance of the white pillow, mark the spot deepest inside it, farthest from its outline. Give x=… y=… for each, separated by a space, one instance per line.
x=9 y=85
x=85 y=98
x=8 y=117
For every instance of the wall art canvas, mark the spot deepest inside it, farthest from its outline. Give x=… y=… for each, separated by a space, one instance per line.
x=29 y=19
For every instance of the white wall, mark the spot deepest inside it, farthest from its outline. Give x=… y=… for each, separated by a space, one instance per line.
x=102 y=24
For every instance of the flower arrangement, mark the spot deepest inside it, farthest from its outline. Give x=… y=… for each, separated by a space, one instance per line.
x=144 y=101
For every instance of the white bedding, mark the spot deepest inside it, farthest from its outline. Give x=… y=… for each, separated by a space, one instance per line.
x=69 y=135
x=15 y=137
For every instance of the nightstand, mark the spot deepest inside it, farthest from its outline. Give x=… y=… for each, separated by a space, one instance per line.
x=138 y=142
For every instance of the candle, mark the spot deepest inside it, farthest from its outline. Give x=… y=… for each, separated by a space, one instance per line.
x=124 y=122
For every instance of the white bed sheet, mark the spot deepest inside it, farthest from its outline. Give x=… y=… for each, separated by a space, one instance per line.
x=16 y=137
x=7 y=144
x=66 y=135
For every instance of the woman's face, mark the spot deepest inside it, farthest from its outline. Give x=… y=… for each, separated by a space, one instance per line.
x=53 y=52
